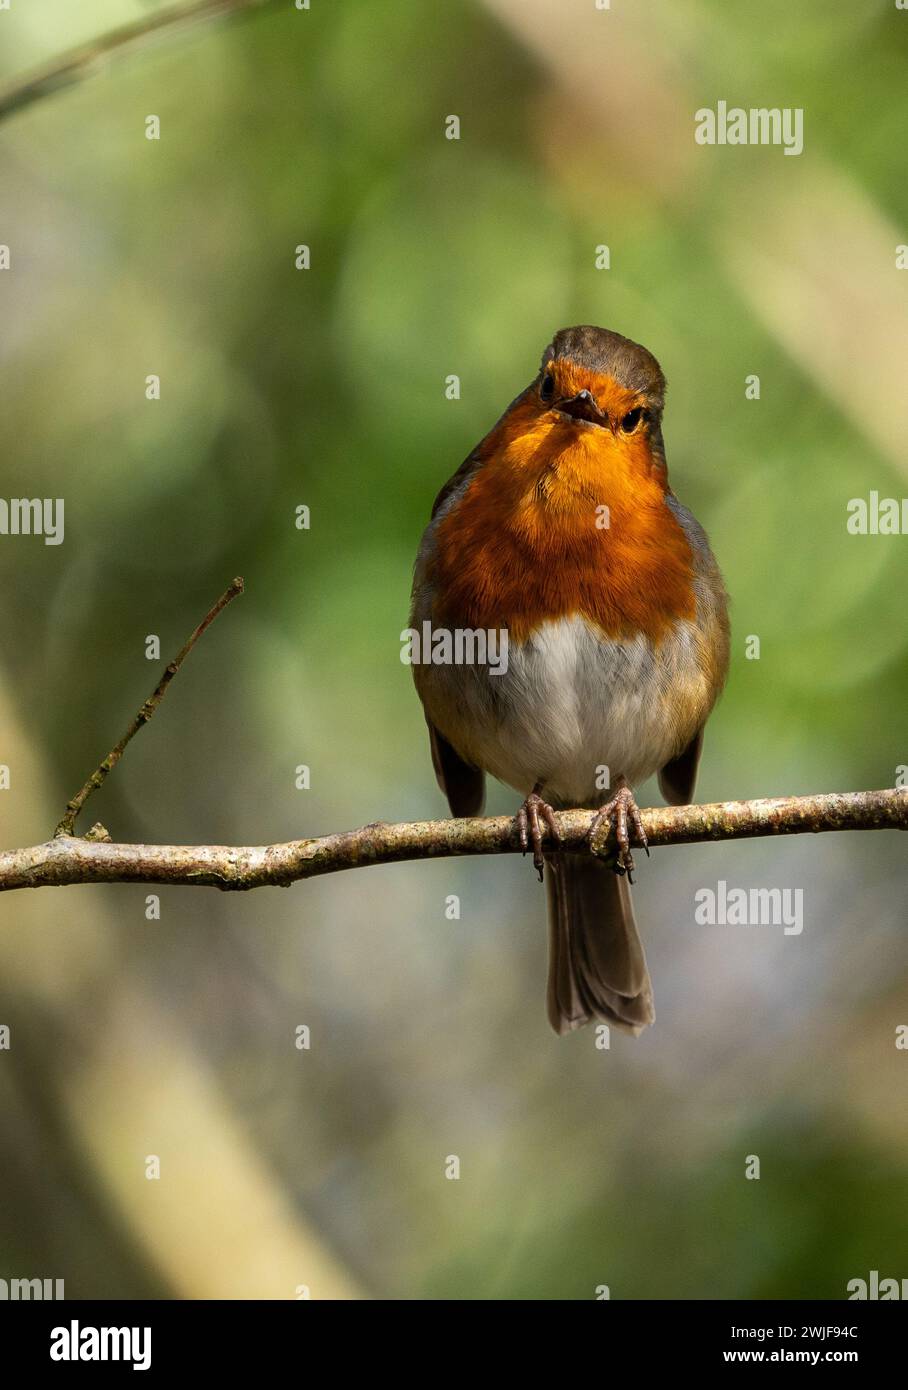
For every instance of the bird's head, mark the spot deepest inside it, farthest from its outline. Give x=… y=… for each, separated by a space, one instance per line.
x=592 y=379
x=594 y=409
x=587 y=429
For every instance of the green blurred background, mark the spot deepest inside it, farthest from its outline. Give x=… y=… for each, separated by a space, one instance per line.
x=325 y=387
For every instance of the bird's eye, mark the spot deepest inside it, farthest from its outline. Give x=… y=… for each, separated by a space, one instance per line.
x=547 y=389
x=632 y=420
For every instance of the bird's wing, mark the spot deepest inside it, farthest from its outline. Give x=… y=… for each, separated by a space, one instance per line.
x=458 y=481
x=463 y=785
x=678 y=778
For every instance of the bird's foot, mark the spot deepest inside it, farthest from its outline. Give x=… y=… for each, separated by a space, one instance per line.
x=531 y=829
x=617 y=813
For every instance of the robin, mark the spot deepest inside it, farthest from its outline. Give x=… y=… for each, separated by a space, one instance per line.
x=560 y=532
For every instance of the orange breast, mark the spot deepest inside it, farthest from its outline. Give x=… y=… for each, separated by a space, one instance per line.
x=558 y=521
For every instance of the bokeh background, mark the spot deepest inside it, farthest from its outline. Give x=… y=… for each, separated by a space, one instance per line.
x=326 y=1168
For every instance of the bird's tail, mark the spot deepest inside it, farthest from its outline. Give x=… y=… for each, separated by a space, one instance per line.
x=597 y=968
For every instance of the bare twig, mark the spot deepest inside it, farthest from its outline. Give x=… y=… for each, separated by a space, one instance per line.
x=89 y=58
x=67 y=824
x=72 y=860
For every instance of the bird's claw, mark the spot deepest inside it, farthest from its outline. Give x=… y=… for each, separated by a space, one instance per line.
x=530 y=828
x=621 y=809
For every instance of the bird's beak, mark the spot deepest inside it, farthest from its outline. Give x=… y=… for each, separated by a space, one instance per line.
x=582 y=407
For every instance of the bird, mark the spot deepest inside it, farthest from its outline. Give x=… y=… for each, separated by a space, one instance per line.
x=560 y=533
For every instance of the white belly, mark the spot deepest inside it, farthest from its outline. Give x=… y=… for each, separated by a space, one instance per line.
x=573 y=704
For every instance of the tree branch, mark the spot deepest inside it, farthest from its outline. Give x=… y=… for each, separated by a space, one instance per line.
x=67 y=860
x=96 y=859
x=88 y=59
x=97 y=778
